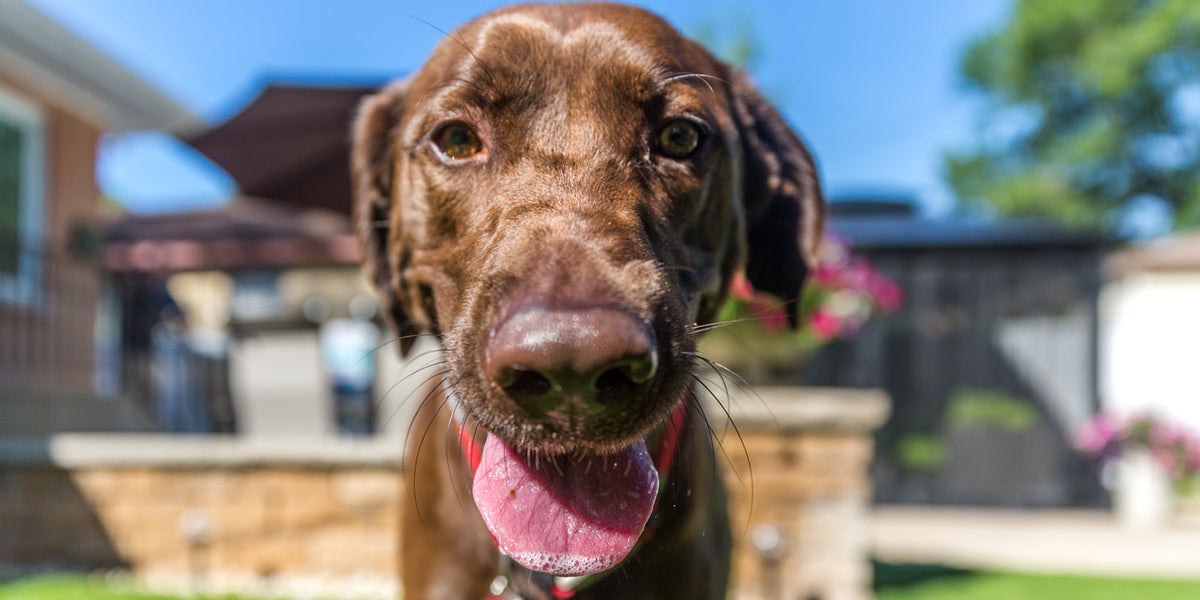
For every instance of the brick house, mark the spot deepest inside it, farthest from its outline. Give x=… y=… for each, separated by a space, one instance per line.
x=58 y=96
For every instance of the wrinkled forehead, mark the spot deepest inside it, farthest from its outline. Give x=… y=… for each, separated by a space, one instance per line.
x=526 y=46
x=593 y=51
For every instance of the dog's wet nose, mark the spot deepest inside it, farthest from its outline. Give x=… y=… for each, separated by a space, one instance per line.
x=578 y=362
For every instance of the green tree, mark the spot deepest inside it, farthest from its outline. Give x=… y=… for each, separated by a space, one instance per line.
x=1091 y=105
x=730 y=36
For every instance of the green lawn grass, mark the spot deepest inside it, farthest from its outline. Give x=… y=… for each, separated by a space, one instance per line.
x=892 y=582
x=80 y=587
x=926 y=582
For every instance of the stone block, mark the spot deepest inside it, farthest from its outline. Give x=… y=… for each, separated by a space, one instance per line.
x=99 y=484
x=366 y=489
x=832 y=451
x=239 y=518
x=303 y=512
x=274 y=555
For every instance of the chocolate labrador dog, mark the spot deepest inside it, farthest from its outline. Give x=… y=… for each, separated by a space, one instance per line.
x=561 y=194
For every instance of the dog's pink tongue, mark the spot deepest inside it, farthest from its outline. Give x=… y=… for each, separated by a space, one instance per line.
x=565 y=515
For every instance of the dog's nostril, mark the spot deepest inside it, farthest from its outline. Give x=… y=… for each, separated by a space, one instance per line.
x=522 y=382
x=642 y=369
x=623 y=378
x=613 y=381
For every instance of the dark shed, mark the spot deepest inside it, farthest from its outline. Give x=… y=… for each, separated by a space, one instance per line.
x=991 y=363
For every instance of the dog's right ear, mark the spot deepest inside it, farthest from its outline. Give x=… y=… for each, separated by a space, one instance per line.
x=372 y=162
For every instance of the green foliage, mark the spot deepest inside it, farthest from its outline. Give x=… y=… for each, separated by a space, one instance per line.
x=920 y=452
x=990 y=409
x=730 y=37
x=1092 y=103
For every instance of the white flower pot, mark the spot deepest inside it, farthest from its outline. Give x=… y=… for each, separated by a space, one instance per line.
x=1143 y=495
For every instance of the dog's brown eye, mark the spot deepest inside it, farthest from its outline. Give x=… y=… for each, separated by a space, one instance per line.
x=458 y=141
x=678 y=139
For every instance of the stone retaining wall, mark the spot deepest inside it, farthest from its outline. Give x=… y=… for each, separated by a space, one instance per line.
x=305 y=517
x=809 y=456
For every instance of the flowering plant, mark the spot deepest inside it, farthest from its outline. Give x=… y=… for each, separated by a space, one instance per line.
x=843 y=292
x=1106 y=436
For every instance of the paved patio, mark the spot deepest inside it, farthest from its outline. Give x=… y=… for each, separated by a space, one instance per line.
x=1060 y=542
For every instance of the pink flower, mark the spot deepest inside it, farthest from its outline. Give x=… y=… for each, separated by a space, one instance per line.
x=887 y=294
x=1165 y=457
x=1174 y=446
x=825 y=325
x=1097 y=433
x=858 y=274
x=772 y=319
x=827 y=275
x=1193 y=452
x=740 y=288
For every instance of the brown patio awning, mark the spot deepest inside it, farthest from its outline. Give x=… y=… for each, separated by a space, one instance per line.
x=290 y=145
x=247 y=234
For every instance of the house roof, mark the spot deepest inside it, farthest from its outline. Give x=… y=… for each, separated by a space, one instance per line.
x=895 y=224
x=38 y=52
x=917 y=233
x=1179 y=252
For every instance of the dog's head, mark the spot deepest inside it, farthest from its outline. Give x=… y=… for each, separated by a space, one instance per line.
x=560 y=192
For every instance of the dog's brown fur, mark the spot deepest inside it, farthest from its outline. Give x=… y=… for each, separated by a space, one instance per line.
x=570 y=206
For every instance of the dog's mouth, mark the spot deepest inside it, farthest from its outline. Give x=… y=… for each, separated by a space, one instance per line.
x=565 y=514
x=567 y=392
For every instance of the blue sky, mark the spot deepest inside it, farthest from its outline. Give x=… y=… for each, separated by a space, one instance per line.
x=870 y=84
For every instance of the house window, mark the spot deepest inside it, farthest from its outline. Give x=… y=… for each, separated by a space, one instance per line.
x=21 y=202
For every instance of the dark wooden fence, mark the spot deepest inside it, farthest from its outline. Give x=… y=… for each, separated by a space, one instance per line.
x=991 y=364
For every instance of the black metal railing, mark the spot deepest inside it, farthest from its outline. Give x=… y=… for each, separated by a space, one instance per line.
x=71 y=332
x=48 y=311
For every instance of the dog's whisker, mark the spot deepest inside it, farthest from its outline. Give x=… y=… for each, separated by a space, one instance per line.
x=433 y=363
x=761 y=314
x=450 y=443
x=712 y=366
x=736 y=431
x=721 y=444
x=756 y=317
x=701 y=76
x=746 y=387
x=430 y=394
x=421 y=446
x=456 y=35
x=716 y=442
x=396 y=340
x=724 y=431
x=722 y=370
x=407 y=397
x=401 y=380
x=712 y=431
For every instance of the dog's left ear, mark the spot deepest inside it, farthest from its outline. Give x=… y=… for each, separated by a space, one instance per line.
x=784 y=208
